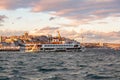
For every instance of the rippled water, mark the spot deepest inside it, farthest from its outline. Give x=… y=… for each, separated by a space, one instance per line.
x=93 y=64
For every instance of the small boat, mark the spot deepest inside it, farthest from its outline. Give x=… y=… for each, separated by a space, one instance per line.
x=10 y=48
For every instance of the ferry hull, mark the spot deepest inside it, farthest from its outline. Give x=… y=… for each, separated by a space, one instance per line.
x=61 y=49
x=54 y=48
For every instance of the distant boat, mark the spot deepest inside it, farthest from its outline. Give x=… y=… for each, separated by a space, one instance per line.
x=10 y=48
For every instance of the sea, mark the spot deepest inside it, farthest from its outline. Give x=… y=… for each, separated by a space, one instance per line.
x=92 y=64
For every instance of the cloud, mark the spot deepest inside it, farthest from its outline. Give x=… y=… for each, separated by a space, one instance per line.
x=53 y=31
x=99 y=1
x=116 y=15
x=89 y=10
x=44 y=5
x=44 y=31
x=102 y=22
x=18 y=18
x=72 y=23
x=104 y=12
x=49 y=28
x=4 y=4
x=51 y=18
x=102 y=36
x=7 y=32
x=83 y=11
x=15 y=4
x=89 y=36
x=2 y=17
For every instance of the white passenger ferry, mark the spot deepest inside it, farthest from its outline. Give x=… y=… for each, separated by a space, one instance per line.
x=60 y=47
x=52 y=47
x=55 y=44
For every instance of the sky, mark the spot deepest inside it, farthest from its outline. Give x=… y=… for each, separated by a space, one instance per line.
x=96 y=20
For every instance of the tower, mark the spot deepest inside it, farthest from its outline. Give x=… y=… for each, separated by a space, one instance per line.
x=26 y=34
x=0 y=38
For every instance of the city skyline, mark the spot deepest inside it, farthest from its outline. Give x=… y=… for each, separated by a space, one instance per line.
x=97 y=20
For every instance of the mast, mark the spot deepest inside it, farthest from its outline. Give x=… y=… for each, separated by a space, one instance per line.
x=59 y=36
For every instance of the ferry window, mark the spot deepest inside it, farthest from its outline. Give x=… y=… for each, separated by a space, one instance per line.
x=39 y=45
x=76 y=46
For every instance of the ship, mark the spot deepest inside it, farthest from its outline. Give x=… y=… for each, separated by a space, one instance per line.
x=55 y=44
x=53 y=47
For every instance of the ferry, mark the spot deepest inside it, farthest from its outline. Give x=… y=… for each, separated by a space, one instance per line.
x=55 y=44
x=60 y=47
x=53 y=47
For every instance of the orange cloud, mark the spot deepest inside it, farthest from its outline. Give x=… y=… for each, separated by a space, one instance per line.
x=7 y=4
x=44 y=31
x=64 y=11
x=103 y=11
x=46 y=5
x=4 y=4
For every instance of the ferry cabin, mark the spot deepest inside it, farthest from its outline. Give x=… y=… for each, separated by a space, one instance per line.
x=60 y=47
x=55 y=47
